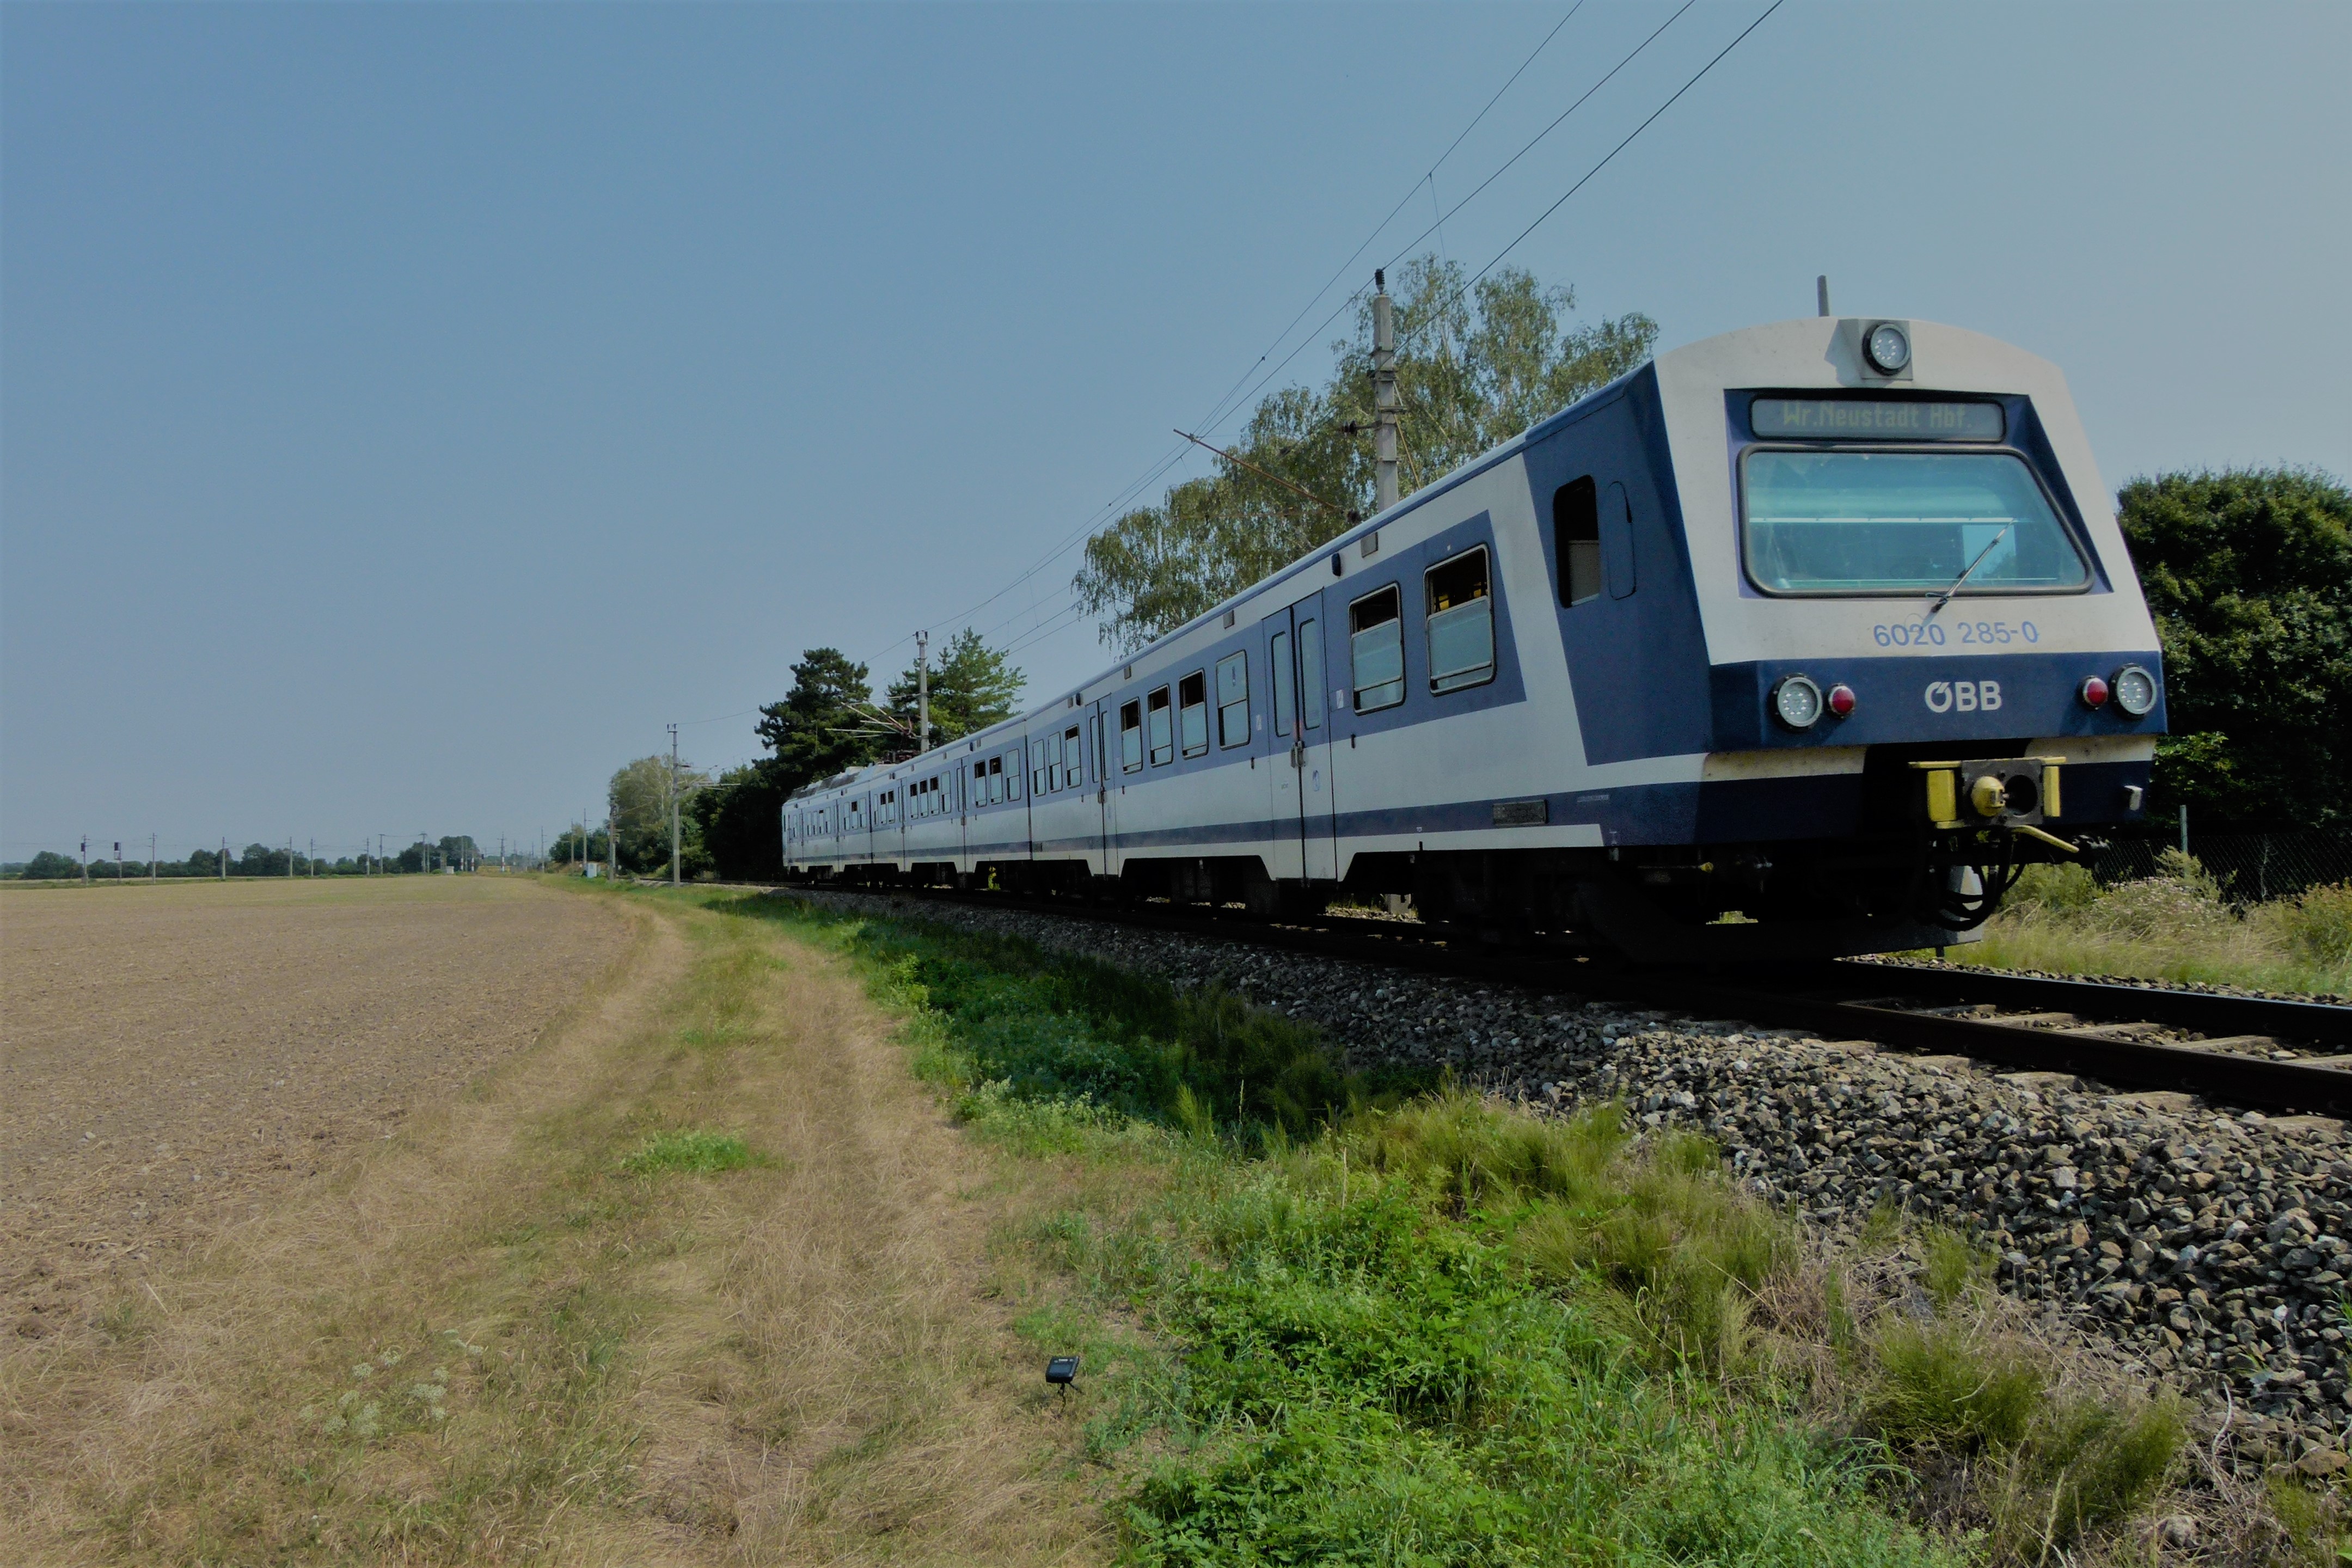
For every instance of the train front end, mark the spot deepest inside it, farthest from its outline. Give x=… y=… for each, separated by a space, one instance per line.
x=1929 y=661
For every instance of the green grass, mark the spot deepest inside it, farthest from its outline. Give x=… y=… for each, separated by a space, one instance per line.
x=687 y=1152
x=1332 y=1318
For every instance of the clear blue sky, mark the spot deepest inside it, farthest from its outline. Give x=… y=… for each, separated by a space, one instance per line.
x=409 y=409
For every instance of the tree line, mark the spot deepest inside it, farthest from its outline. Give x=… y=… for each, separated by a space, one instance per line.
x=457 y=851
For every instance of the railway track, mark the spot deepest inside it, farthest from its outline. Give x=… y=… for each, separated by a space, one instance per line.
x=2253 y=1053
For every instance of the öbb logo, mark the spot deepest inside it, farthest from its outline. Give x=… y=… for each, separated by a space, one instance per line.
x=1963 y=696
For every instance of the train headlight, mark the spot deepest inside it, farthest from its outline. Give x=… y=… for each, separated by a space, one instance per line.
x=1888 y=348
x=1797 y=702
x=2135 y=690
x=2094 y=692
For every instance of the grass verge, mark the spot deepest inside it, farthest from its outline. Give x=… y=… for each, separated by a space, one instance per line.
x=2173 y=926
x=1329 y=1318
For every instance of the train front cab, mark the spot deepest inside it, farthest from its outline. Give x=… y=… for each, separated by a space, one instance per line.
x=1927 y=659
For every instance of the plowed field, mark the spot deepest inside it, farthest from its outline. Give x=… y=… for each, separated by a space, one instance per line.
x=175 y=1056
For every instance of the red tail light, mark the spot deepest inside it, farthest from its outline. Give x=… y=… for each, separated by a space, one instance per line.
x=2094 y=692
x=1840 y=700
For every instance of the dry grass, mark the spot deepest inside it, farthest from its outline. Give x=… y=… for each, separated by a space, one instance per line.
x=2173 y=926
x=487 y=1341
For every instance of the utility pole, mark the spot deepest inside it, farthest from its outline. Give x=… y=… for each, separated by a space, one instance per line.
x=223 y=860
x=85 y=851
x=290 y=857
x=118 y=862
x=612 y=844
x=923 y=691
x=1822 y=294
x=151 y=857
x=1384 y=395
x=673 y=805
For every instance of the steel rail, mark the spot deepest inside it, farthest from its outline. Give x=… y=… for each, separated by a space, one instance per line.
x=2298 y=1087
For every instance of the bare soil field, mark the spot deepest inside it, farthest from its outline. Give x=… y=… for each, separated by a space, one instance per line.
x=177 y=1056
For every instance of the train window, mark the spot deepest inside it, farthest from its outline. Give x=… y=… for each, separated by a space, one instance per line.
x=1036 y=767
x=1192 y=712
x=1461 y=622
x=1013 y=774
x=1376 y=650
x=979 y=784
x=995 y=780
x=1310 y=673
x=1233 y=700
x=1074 y=758
x=1286 y=700
x=1902 y=522
x=1130 y=737
x=1576 y=536
x=1164 y=739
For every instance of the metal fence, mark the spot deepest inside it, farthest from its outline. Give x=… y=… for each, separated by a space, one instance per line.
x=2253 y=868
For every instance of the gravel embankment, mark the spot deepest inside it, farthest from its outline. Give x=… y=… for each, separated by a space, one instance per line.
x=2207 y=1249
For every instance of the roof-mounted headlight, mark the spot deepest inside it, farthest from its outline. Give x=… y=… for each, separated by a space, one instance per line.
x=1797 y=702
x=1888 y=348
x=2135 y=690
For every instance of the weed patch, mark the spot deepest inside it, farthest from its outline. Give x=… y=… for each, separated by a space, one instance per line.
x=689 y=1152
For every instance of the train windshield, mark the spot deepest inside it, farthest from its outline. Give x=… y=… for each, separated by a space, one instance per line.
x=1903 y=522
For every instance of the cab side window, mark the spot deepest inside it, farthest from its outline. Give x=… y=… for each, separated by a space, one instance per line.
x=1576 y=540
x=1461 y=622
x=1073 y=759
x=1376 y=650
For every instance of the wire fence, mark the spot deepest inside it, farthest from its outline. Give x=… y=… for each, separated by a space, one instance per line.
x=2253 y=868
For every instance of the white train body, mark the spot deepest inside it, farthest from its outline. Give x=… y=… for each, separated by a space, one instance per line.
x=1559 y=690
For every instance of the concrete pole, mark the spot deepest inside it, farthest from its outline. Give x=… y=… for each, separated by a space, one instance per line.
x=85 y=851
x=923 y=691
x=673 y=805
x=151 y=857
x=1384 y=397
x=1822 y=294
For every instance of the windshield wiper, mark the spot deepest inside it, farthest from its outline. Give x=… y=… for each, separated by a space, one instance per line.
x=1946 y=596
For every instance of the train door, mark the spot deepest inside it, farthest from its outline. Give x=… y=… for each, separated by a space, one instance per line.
x=1299 y=779
x=1101 y=741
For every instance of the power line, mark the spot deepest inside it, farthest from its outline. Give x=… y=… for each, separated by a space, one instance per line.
x=1217 y=410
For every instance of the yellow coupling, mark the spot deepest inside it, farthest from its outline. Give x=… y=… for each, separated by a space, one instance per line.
x=1988 y=796
x=2050 y=790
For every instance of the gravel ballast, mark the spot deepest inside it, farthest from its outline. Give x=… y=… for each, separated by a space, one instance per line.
x=2204 y=1248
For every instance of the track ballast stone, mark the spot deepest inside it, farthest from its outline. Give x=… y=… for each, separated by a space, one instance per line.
x=2207 y=1249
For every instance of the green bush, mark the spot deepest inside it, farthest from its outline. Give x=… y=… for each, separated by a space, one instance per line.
x=2053 y=890
x=1939 y=1385
x=2318 y=926
x=1954 y=1267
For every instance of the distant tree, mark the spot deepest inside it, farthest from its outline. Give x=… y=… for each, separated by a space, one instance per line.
x=1476 y=365
x=49 y=865
x=2249 y=575
x=574 y=845
x=639 y=794
x=739 y=822
x=816 y=730
x=973 y=687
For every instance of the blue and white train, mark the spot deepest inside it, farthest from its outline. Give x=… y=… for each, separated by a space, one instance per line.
x=1828 y=622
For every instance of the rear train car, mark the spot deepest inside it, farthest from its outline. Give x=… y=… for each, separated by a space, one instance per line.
x=1825 y=624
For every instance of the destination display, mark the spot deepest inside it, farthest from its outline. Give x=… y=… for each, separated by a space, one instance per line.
x=1857 y=419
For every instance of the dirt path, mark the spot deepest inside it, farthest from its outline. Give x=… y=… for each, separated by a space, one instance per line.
x=484 y=1340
